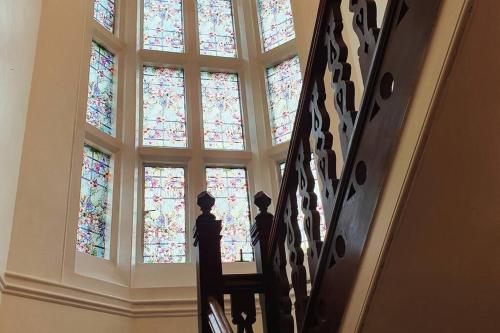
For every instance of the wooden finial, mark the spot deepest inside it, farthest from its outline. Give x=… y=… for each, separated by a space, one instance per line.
x=262 y=201
x=205 y=201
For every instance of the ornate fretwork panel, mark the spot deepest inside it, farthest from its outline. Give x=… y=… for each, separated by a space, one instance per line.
x=309 y=204
x=341 y=75
x=365 y=26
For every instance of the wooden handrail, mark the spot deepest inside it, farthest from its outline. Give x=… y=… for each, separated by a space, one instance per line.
x=216 y=317
x=390 y=59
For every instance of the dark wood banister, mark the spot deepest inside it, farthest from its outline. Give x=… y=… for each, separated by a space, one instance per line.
x=217 y=318
x=299 y=119
x=390 y=60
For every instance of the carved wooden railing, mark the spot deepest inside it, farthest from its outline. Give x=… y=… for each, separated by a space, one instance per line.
x=213 y=285
x=390 y=59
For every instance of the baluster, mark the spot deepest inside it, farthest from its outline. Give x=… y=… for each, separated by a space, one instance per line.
x=296 y=255
x=243 y=311
x=365 y=27
x=275 y=303
x=208 y=259
x=309 y=204
x=341 y=75
x=326 y=158
x=280 y=281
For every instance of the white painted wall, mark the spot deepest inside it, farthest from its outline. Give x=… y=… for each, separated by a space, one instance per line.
x=18 y=35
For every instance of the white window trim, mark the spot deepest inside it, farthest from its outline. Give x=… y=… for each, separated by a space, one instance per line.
x=126 y=268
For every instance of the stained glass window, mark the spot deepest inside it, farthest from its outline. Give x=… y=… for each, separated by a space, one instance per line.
x=104 y=13
x=164 y=215
x=319 y=207
x=163 y=25
x=216 y=28
x=101 y=87
x=284 y=83
x=95 y=214
x=230 y=188
x=223 y=128
x=276 y=22
x=164 y=107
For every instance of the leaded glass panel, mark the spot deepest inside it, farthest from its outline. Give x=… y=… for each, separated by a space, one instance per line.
x=163 y=25
x=276 y=23
x=104 y=13
x=222 y=121
x=229 y=186
x=164 y=107
x=164 y=215
x=216 y=28
x=284 y=84
x=101 y=87
x=95 y=207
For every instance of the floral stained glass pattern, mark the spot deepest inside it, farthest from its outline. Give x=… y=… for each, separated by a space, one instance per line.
x=95 y=208
x=163 y=25
x=164 y=107
x=216 y=28
x=104 y=13
x=276 y=22
x=319 y=207
x=284 y=84
x=222 y=121
x=230 y=188
x=101 y=87
x=164 y=215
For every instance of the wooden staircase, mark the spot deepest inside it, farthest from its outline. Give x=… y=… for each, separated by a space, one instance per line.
x=390 y=59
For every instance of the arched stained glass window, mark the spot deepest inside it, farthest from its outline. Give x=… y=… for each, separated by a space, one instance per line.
x=216 y=28
x=276 y=23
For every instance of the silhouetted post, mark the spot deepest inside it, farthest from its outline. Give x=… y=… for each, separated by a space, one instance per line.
x=208 y=259
x=260 y=231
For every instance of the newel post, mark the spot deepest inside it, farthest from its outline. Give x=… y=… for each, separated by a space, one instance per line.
x=260 y=232
x=208 y=259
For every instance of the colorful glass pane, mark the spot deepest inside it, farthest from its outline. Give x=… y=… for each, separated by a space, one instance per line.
x=163 y=25
x=216 y=28
x=101 y=86
x=230 y=188
x=223 y=127
x=95 y=214
x=104 y=13
x=276 y=22
x=284 y=84
x=164 y=107
x=164 y=215
x=319 y=207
